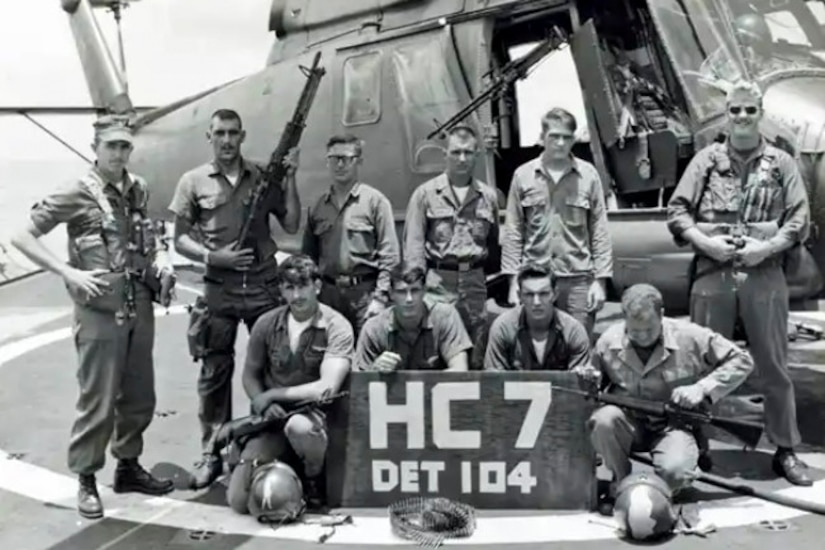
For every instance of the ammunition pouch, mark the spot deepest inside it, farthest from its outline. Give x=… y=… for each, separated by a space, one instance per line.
x=197 y=335
x=158 y=281
x=113 y=298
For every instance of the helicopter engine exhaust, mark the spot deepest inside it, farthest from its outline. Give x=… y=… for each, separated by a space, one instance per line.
x=106 y=84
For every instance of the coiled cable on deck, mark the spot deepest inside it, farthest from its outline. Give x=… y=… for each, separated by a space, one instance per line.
x=428 y=521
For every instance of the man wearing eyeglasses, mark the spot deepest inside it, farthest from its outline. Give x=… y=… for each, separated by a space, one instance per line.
x=556 y=217
x=741 y=205
x=450 y=230
x=351 y=234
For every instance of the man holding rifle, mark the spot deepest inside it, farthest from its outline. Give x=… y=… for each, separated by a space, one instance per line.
x=658 y=359
x=298 y=352
x=240 y=281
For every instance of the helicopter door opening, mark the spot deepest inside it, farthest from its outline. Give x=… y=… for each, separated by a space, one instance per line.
x=552 y=82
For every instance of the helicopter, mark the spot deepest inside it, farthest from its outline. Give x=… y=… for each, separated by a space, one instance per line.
x=653 y=75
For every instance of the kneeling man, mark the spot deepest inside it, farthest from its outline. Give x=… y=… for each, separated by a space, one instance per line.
x=412 y=335
x=660 y=359
x=296 y=352
x=536 y=335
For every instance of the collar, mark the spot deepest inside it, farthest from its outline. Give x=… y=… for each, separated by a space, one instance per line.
x=216 y=170
x=354 y=192
x=538 y=166
x=522 y=320
x=426 y=323
x=669 y=340
x=126 y=179
x=442 y=182
x=318 y=320
x=756 y=153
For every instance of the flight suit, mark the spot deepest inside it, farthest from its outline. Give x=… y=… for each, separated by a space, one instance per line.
x=763 y=196
x=451 y=241
x=441 y=336
x=510 y=346
x=355 y=248
x=303 y=438
x=686 y=354
x=218 y=209
x=561 y=225
x=114 y=335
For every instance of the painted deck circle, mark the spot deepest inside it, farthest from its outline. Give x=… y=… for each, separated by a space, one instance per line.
x=59 y=489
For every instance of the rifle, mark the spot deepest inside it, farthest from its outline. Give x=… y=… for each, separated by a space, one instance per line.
x=512 y=71
x=747 y=490
x=248 y=426
x=275 y=171
x=748 y=432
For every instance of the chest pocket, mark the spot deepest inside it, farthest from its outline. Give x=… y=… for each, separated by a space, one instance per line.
x=303 y=366
x=721 y=194
x=209 y=207
x=576 y=209
x=483 y=220
x=441 y=223
x=361 y=236
x=534 y=208
x=91 y=252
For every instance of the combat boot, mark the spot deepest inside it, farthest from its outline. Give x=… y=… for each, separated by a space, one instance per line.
x=130 y=477
x=206 y=472
x=788 y=465
x=314 y=493
x=88 y=501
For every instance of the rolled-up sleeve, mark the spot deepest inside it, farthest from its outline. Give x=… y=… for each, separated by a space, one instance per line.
x=387 y=248
x=415 y=227
x=453 y=337
x=512 y=234
x=600 y=244
x=183 y=201
x=59 y=207
x=731 y=364
x=369 y=346
x=796 y=218
x=683 y=203
x=497 y=357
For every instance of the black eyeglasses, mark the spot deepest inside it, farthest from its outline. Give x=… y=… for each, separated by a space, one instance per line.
x=750 y=110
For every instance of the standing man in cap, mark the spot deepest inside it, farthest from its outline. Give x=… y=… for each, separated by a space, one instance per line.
x=741 y=205
x=351 y=235
x=450 y=228
x=556 y=216
x=114 y=262
x=240 y=283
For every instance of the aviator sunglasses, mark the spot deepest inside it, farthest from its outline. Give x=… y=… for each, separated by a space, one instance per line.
x=736 y=109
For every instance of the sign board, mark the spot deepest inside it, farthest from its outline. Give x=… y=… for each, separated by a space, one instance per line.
x=490 y=439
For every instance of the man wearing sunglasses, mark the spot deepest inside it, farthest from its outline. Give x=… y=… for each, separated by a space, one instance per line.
x=741 y=204
x=350 y=234
x=451 y=232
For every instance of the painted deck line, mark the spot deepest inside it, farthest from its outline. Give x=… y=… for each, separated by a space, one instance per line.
x=45 y=485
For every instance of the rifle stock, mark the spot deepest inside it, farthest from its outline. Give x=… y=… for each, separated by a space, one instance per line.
x=748 y=432
x=275 y=172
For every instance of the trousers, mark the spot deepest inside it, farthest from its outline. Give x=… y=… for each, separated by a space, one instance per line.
x=305 y=435
x=467 y=291
x=351 y=302
x=116 y=381
x=759 y=297
x=229 y=305
x=614 y=434
x=571 y=297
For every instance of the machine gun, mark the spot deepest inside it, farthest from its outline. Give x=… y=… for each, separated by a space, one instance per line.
x=512 y=71
x=748 y=432
x=275 y=171
x=241 y=428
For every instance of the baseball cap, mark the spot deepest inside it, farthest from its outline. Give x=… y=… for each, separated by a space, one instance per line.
x=113 y=128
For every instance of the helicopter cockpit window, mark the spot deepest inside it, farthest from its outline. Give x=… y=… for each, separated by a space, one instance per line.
x=362 y=89
x=427 y=96
x=701 y=49
x=778 y=35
